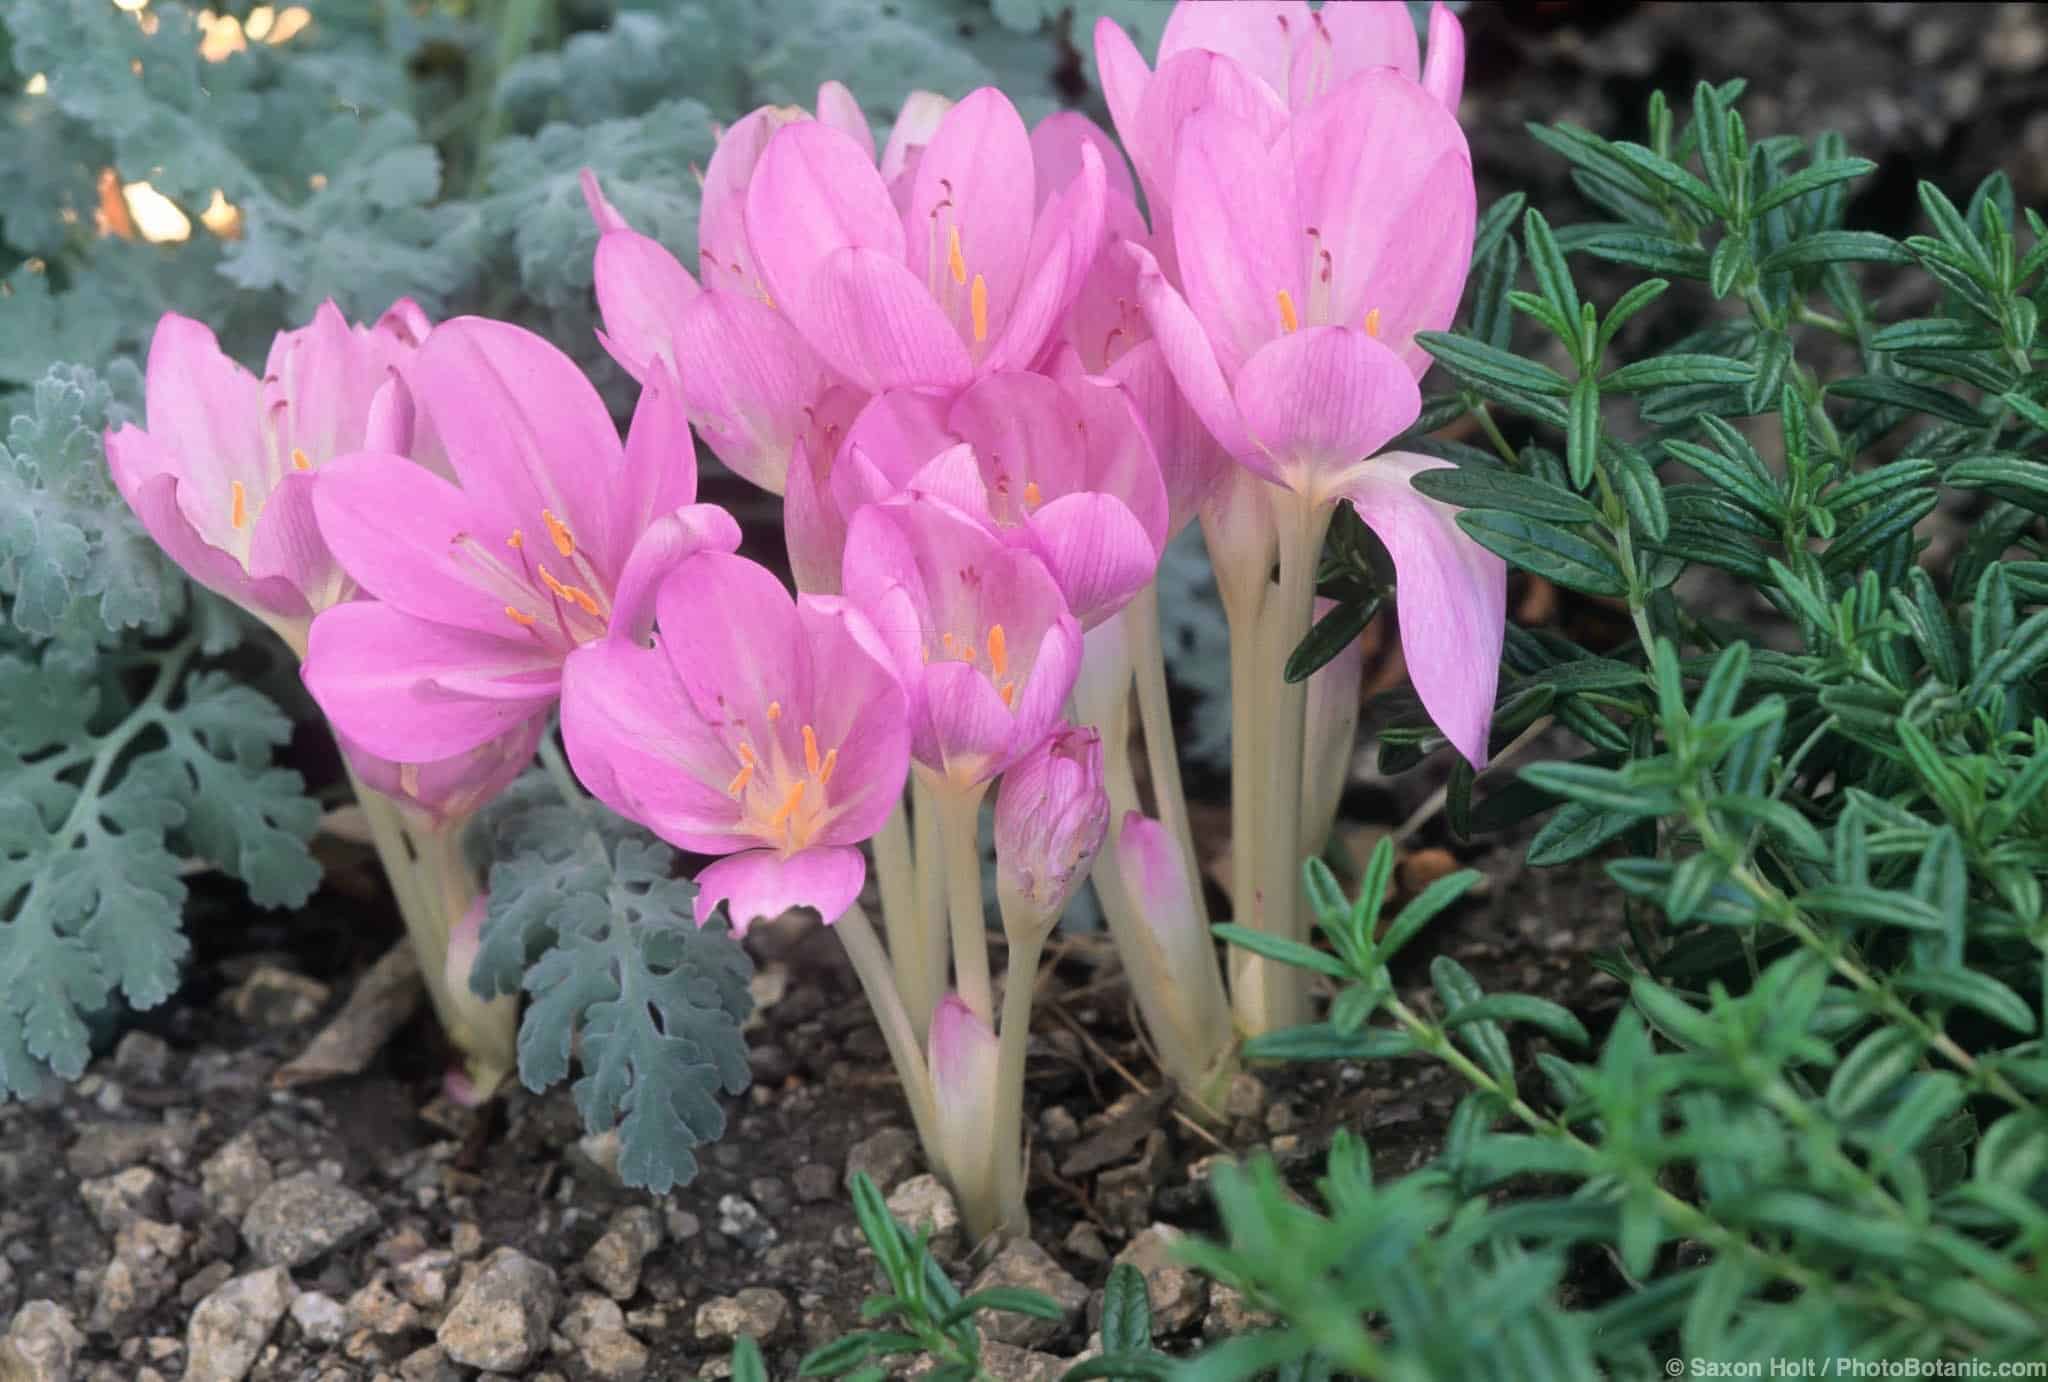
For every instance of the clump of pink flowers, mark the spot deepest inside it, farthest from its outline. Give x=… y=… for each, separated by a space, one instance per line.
x=989 y=390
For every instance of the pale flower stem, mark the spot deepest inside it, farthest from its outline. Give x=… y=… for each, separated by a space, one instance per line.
x=960 y=824
x=896 y=875
x=1026 y=929
x=906 y=1053
x=1162 y=753
x=430 y=881
x=1242 y=610
x=933 y=937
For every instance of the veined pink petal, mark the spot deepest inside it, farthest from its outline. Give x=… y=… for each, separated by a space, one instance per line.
x=1190 y=460
x=762 y=885
x=724 y=253
x=813 y=527
x=915 y=124
x=399 y=530
x=447 y=789
x=751 y=379
x=863 y=718
x=1451 y=597
x=1185 y=348
x=318 y=385
x=528 y=435
x=149 y=479
x=750 y=656
x=206 y=410
x=898 y=432
x=1124 y=76
x=969 y=732
x=1259 y=35
x=384 y=678
x=1443 y=73
x=1190 y=82
x=1097 y=550
x=602 y=212
x=813 y=194
x=1348 y=39
x=955 y=477
x=660 y=470
x=405 y=323
x=838 y=108
x=1064 y=245
x=1056 y=156
x=1042 y=700
x=1105 y=320
x=1320 y=400
x=1235 y=230
x=639 y=745
x=667 y=543
x=971 y=206
x=286 y=544
x=641 y=291
x=875 y=323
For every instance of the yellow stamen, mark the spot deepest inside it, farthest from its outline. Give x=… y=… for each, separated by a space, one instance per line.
x=774 y=711
x=299 y=461
x=564 y=544
x=1372 y=323
x=740 y=780
x=967 y=653
x=811 y=762
x=1288 y=320
x=956 y=263
x=788 y=807
x=946 y=641
x=574 y=594
x=998 y=651
x=519 y=616
x=977 y=303
x=1031 y=494
x=831 y=762
x=238 y=505
x=1008 y=691
x=516 y=541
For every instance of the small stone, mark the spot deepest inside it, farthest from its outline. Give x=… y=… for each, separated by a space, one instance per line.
x=1246 y=1097
x=273 y=998
x=143 y=1058
x=429 y=1364
x=887 y=1157
x=1231 y=1314
x=1177 y=1292
x=1025 y=1265
x=426 y=1280
x=403 y=1246
x=924 y=1203
x=769 y=1192
x=376 y=1309
x=141 y=1273
x=615 y=1355
x=466 y=1239
x=319 y=1317
x=739 y=1217
x=614 y=1260
x=1057 y=1126
x=136 y=1193
x=233 y=1177
x=42 y=1343
x=682 y=1224
x=1085 y=1241
x=1007 y=1363
x=756 y=1311
x=1123 y=1195
x=589 y=1312
x=501 y=1320
x=595 y=1157
x=230 y=1327
x=204 y=1282
x=104 y=1148
x=305 y=1217
x=1282 y=1117
x=814 y=1182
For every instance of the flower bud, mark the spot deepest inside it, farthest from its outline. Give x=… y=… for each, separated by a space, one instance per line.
x=449 y=788
x=1155 y=873
x=962 y=1053
x=1051 y=816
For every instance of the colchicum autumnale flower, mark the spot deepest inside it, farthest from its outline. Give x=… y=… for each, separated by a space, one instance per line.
x=1051 y=816
x=767 y=729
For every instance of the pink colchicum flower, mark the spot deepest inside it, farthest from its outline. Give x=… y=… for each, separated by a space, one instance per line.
x=981 y=638
x=960 y=280
x=453 y=788
x=223 y=477
x=771 y=730
x=1052 y=813
x=552 y=535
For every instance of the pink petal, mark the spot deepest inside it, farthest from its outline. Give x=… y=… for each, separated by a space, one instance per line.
x=862 y=717
x=838 y=108
x=1191 y=82
x=639 y=745
x=1188 y=354
x=954 y=477
x=876 y=324
x=149 y=479
x=667 y=543
x=1443 y=74
x=1237 y=237
x=286 y=544
x=526 y=433
x=207 y=411
x=1124 y=76
x=761 y=885
x=725 y=255
x=415 y=691
x=814 y=193
x=750 y=381
x=1042 y=700
x=899 y=431
x=1022 y=430
x=406 y=323
x=641 y=290
x=1097 y=550
x=1259 y=35
x=813 y=528
x=1452 y=598
x=1118 y=453
x=1056 y=156
x=750 y=655
x=660 y=472
x=1320 y=400
x=450 y=789
x=1191 y=463
x=1349 y=39
x=395 y=527
x=968 y=731
x=1157 y=875
x=973 y=179
x=319 y=383
x=915 y=125
x=602 y=212
x=1064 y=245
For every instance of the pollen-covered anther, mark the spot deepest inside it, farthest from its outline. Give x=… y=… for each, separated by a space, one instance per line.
x=744 y=775
x=790 y=802
x=1372 y=323
x=573 y=594
x=977 y=306
x=299 y=459
x=519 y=617
x=1290 y=320
x=1008 y=691
x=956 y=262
x=774 y=711
x=558 y=532
x=812 y=763
x=238 y=506
x=516 y=541
x=1032 y=495
x=998 y=651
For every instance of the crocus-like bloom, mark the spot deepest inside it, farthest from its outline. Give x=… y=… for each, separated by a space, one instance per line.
x=960 y=280
x=454 y=788
x=1051 y=815
x=553 y=535
x=981 y=637
x=767 y=729
x=223 y=477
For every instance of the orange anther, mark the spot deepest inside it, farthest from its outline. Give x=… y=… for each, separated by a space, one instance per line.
x=956 y=263
x=811 y=761
x=774 y=711
x=516 y=541
x=740 y=780
x=998 y=650
x=238 y=505
x=299 y=461
x=831 y=762
x=519 y=616
x=788 y=807
x=1372 y=323
x=1032 y=496
x=1289 y=321
x=564 y=544
x=977 y=306
x=1008 y=691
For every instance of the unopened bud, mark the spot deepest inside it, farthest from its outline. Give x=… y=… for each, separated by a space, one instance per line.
x=962 y=1053
x=1051 y=816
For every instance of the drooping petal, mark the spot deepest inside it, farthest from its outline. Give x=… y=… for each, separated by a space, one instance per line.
x=749 y=380
x=875 y=323
x=286 y=544
x=1184 y=347
x=1238 y=241
x=761 y=885
x=415 y=691
x=838 y=107
x=813 y=194
x=414 y=540
x=668 y=542
x=973 y=180
x=639 y=745
x=1443 y=72
x=1056 y=156
x=1451 y=598
x=1097 y=550
x=1318 y=401
x=205 y=410
x=1348 y=39
x=642 y=290
x=751 y=654
x=863 y=718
